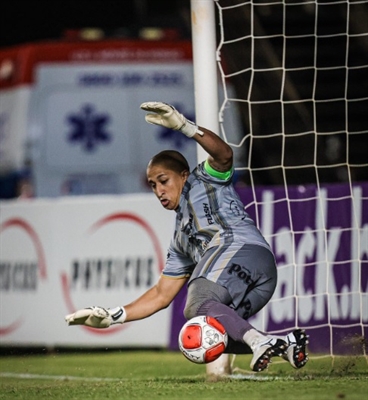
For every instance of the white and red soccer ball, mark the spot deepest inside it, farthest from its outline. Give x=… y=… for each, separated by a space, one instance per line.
x=202 y=339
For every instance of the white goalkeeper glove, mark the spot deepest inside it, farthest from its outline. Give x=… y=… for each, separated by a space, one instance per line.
x=167 y=116
x=97 y=317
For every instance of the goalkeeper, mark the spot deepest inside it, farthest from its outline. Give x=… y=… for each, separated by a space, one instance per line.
x=216 y=249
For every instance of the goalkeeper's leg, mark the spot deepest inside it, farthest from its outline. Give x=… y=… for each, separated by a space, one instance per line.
x=234 y=347
x=208 y=298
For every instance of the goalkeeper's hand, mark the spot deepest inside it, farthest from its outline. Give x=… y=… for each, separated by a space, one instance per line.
x=167 y=116
x=97 y=317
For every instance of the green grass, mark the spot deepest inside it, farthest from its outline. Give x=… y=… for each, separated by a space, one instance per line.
x=168 y=375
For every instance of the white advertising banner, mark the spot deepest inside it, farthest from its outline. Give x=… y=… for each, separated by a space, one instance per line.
x=61 y=255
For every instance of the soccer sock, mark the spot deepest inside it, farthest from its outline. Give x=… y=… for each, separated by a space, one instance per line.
x=235 y=326
x=234 y=347
x=252 y=337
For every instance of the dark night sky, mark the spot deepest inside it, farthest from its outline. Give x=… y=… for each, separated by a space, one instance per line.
x=23 y=21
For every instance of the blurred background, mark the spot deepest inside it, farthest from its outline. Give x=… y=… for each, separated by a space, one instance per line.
x=36 y=33
x=316 y=68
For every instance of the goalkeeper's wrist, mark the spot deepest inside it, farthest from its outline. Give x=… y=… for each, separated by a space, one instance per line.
x=118 y=315
x=189 y=129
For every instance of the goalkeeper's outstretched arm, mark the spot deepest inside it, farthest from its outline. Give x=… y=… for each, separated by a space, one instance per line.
x=162 y=294
x=153 y=300
x=220 y=153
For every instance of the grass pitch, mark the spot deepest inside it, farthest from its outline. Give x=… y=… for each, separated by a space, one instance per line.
x=168 y=375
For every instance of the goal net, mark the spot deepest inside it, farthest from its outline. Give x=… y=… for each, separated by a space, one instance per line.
x=299 y=73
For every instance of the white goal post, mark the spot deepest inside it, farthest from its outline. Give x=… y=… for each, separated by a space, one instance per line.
x=206 y=100
x=299 y=72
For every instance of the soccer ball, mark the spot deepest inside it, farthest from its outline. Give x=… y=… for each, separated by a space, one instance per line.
x=202 y=339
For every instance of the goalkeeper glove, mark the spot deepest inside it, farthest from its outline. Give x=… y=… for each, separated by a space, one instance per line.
x=167 y=116
x=97 y=317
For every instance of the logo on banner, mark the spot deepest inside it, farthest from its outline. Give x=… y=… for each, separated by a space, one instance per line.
x=321 y=262
x=21 y=275
x=96 y=272
x=88 y=128
x=176 y=140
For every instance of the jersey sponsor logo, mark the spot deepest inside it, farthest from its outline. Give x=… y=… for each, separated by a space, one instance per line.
x=241 y=272
x=187 y=228
x=234 y=207
x=201 y=245
x=246 y=306
x=208 y=213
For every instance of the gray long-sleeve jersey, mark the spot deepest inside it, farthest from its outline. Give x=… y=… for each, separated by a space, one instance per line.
x=210 y=214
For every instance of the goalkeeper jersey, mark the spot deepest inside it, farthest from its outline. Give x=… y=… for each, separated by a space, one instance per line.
x=210 y=214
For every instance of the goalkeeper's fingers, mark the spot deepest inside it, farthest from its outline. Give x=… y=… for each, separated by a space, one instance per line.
x=157 y=107
x=154 y=119
x=162 y=112
x=164 y=115
x=79 y=317
x=167 y=116
x=97 y=317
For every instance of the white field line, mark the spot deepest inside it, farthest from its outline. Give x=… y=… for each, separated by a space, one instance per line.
x=57 y=377
x=239 y=376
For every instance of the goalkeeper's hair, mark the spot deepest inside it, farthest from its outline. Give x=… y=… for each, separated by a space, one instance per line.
x=170 y=159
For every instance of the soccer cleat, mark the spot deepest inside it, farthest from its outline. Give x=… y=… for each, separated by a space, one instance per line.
x=296 y=351
x=264 y=351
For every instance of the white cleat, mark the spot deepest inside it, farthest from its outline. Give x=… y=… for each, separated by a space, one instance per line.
x=264 y=351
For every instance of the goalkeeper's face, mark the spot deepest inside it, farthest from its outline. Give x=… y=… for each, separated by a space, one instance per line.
x=166 y=184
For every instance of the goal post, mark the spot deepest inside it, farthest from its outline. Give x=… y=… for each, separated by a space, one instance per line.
x=204 y=67
x=206 y=100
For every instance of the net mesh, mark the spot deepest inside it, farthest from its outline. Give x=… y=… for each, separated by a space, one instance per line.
x=298 y=72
